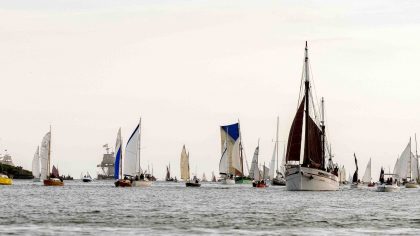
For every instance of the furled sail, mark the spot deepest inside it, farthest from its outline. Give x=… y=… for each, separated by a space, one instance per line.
x=367 y=178
x=131 y=157
x=118 y=155
x=313 y=146
x=254 y=161
x=185 y=166
x=45 y=150
x=295 y=135
x=35 y=164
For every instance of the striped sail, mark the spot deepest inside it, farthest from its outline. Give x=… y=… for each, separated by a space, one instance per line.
x=35 y=164
x=118 y=155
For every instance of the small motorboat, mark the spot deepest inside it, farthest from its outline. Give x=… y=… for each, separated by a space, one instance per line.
x=123 y=183
x=259 y=184
x=53 y=182
x=5 y=180
x=279 y=180
x=388 y=185
x=87 y=178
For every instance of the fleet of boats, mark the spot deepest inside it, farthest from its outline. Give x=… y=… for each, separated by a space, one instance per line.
x=306 y=163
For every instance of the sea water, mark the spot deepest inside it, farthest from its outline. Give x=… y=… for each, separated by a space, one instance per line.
x=99 y=208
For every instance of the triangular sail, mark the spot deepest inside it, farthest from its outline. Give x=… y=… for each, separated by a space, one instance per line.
x=54 y=172
x=118 y=155
x=295 y=135
x=132 y=153
x=35 y=164
x=185 y=166
x=356 y=174
x=404 y=163
x=45 y=150
x=266 y=170
x=367 y=178
x=231 y=147
x=273 y=163
x=254 y=162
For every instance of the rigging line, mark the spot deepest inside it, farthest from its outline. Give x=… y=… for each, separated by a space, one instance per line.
x=313 y=83
x=301 y=84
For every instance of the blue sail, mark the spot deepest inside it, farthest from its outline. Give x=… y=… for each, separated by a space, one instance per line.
x=232 y=130
x=117 y=164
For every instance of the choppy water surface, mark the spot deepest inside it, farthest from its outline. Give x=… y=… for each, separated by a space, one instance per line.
x=171 y=208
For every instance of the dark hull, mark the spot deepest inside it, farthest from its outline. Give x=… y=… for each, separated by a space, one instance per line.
x=192 y=184
x=259 y=185
x=87 y=180
x=122 y=183
x=278 y=182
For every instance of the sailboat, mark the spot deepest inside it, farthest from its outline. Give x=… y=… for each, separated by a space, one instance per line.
x=86 y=178
x=213 y=177
x=132 y=166
x=36 y=171
x=279 y=178
x=204 y=179
x=342 y=175
x=311 y=174
x=259 y=180
x=168 y=177
x=118 y=176
x=231 y=165
x=407 y=167
x=367 y=178
x=355 y=179
x=185 y=170
x=53 y=178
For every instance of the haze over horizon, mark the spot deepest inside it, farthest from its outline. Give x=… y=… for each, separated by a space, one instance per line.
x=90 y=67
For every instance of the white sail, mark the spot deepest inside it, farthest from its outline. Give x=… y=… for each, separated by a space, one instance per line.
x=397 y=168
x=256 y=173
x=367 y=177
x=185 y=166
x=266 y=170
x=414 y=167
x=35 y=164
x=404 y=163
x=224 y=161
x=343 y=174
x=273 y=163
x=254 y=162
x=132 y=153
x=236 y=156
x=45 y=150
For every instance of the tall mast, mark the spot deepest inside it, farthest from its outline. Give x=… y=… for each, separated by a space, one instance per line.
x=306 y=100
x=240 y=149
x=323 y=133
x=410 y=160
x=417 y=157
x=121 y=158
x=138 y=145
x=277 y=144
x=49 y=155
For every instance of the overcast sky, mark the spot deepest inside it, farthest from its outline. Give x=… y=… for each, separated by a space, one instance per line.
x=187 y=67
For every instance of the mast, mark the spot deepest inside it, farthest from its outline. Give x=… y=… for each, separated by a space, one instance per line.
x=277 y=144
x=138 y=145
x=417 y=157
x=306 y=100
x=240 y=149
x=323 y=134
x=410 y=160
x=230 y=156
x=49 y=155
x=121 y=160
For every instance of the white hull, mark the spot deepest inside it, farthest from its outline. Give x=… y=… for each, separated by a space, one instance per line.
x=307 y=179
x=228 y=181
x=387 y=188
x=411 y=185
x=141 y=183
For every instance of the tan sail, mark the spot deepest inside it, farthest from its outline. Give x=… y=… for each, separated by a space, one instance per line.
x=185 y=165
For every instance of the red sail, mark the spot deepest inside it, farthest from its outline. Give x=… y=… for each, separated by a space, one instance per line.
x=313 y=150
x=295 y=135
x=54 y=172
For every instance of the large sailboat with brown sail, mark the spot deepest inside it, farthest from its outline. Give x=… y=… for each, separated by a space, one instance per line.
x=310 y=174
x=49 y=178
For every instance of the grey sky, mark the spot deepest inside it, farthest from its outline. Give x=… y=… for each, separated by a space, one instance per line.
x=89 y=67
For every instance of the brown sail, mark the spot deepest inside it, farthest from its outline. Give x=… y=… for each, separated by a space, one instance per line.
x=295 y=135
x=313 y=146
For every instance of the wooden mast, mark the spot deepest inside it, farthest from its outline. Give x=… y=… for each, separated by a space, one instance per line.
x=306 y=150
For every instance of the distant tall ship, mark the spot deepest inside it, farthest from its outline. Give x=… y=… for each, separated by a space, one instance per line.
x=107 y=164
x=231 y=165
x=310 y=174
x=6 y=159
